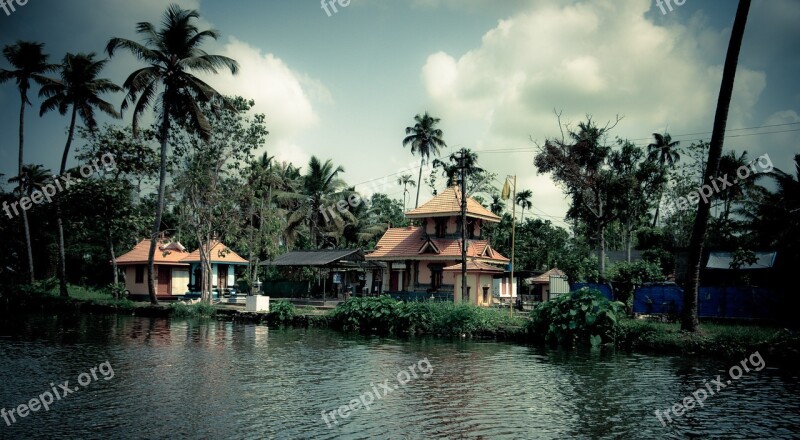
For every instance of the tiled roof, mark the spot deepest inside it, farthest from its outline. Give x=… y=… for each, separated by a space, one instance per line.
x=406 y=244
x=545 y=277
x=219 y=254
x=166 y=253
x=448 y=203
x=475 y=266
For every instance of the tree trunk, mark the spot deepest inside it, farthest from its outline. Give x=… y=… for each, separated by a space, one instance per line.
x=689 y=320
x=419 y=181
x=62 y=253
x=25 y=224
x=628 y=238
x=162 y=180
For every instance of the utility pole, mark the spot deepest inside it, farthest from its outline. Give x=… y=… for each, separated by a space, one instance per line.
x=505 y=196
x=462 y=167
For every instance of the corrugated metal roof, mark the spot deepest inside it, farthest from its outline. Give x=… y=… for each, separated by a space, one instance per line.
x=315 y=258
x=723 y=260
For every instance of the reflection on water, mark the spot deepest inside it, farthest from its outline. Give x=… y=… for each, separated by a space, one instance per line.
x=193 y=379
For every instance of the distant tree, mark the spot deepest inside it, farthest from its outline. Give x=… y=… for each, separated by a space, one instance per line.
x=524 y=202
x=426 y=140
x=665 y=152
x=405 y=180
x=30 y=65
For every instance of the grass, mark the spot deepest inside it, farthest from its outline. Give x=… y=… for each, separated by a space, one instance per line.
x=715 y=339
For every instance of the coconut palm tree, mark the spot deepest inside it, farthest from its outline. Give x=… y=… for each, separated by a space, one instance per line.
x=78 y=92
x=405 y=180
x=320 y=194
x=665 y=151
x=172 y=53
x=30 y=64
x=524 y=202
x=425 y=139
x=497 y=205
x=689 y=320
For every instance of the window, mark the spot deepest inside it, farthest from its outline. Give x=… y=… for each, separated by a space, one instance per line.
x=140 y=274
x=441 y=227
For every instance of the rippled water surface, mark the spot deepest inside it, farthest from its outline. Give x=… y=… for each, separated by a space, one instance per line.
x=187 y=379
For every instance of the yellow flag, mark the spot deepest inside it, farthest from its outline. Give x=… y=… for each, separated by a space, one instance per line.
x=506 y=194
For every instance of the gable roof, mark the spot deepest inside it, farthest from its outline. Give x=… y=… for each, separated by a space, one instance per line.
x=315 y=258
x=545 y=277
x=166 y=253
x=448 y=203
x=219 y=254
x=406 y=244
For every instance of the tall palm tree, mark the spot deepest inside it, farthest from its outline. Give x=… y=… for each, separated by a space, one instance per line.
x=321 y=191
x=497 y=205
x=689 y=320
x=78 y=91
x=524 y=202
x=405 y=180
x=172 y=53
x=664 y=151
x=30 y=64
x=424 y=139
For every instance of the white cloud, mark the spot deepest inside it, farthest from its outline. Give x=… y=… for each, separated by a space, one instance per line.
x=602 y=58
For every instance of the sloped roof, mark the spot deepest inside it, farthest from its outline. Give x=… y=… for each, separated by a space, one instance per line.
x=448 y=203
x=166 y=253
x=723 y=260
x=219 y=254
x=406 y=244
x=545 y=277
x=475 y=266
x=314 y=258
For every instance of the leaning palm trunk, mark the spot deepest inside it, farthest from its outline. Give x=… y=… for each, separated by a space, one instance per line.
x=689 y=320
x=62 y=254
x=162 y=180
x=419 y=181
x=25 y=224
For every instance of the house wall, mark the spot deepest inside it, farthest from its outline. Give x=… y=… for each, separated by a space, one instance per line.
x=130 y=281
x=180 y=281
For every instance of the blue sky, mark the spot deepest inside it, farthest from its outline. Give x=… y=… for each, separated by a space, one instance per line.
x=345 y=86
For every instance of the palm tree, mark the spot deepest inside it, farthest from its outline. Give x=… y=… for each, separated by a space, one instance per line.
x=424 y=139
x=30 y=64
x=497 y=206
x=689 y=320
x=322 y=190
x=664 y=151
x=405 y=180
x=78 y=89
x=524 y=202
x=172 y=53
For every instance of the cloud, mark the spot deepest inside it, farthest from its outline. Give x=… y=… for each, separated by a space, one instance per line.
x=602 y=58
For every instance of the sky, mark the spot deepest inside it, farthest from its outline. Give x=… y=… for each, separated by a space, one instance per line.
x=344 y=84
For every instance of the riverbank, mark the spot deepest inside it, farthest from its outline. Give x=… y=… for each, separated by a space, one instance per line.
x=385 y=316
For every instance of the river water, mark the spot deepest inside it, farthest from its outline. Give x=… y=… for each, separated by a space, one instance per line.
x=176 y=379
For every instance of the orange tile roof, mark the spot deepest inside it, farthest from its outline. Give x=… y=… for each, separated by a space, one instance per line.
x=475 y=266
x=448 y=203
x=407 y=244
x=219 y=254
x=166 y=253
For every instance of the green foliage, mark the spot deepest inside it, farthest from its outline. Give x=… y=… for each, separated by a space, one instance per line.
x=581 y=317
x=384 y=315
x=282 y=312
x=199 y=310
x=626 y=276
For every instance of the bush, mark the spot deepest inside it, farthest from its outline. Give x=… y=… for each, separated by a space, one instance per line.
x=199 y=310
x=371 y=314
x=282 y=312
x=581 y=317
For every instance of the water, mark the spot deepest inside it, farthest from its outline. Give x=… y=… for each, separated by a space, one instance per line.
x=184 y=379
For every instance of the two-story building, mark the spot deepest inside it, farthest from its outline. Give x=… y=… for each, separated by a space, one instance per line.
x=427 y=258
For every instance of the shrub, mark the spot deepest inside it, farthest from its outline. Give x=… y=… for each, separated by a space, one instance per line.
x=199 y=310
x=376 y=314
x=581 y=317
x=282 y=312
